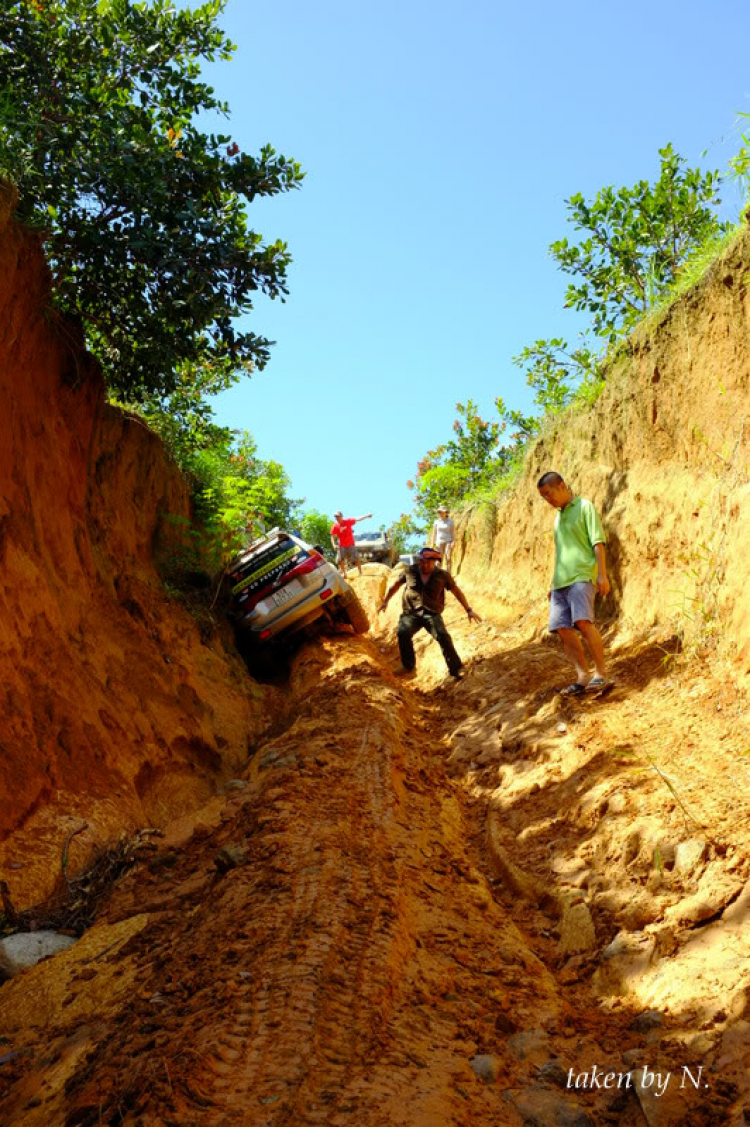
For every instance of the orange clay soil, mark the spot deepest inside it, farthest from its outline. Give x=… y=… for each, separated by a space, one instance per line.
x=413 y=876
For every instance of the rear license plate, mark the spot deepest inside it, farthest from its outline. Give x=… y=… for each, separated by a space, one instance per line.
x=286 y=594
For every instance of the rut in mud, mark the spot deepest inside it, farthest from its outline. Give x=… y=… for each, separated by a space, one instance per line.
x=408 y=911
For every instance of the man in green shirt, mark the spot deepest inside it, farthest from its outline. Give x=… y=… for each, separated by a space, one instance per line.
x=580 y=573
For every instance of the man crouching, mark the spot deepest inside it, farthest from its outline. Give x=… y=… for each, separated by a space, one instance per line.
x=422 y=609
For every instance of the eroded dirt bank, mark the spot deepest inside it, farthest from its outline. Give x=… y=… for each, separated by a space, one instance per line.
x=412 y=904
x=420 y=905
x=108 y=686
x=665 y=455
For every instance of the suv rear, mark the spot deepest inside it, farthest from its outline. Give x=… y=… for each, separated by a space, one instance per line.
x=279 y=584
x=375 y=547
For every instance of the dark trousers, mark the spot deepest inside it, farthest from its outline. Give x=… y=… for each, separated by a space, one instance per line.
x=409 y=624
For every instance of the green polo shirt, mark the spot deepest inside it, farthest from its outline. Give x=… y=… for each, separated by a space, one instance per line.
x=577 y=529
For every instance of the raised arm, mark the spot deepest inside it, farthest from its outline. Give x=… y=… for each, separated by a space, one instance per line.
x=367 y=516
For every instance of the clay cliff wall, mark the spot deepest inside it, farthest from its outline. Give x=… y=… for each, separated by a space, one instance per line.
x=665 y=455
x=116 y=711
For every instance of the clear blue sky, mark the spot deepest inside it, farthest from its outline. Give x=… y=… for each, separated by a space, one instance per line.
x=440 y=141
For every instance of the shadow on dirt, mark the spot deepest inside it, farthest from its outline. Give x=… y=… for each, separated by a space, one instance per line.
x=270 y=663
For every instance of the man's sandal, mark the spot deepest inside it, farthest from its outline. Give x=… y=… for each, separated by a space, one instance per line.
x=574 y=690
x=596 y=684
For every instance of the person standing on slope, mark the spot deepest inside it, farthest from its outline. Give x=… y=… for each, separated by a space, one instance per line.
x=342 y=539
x=442 y=536
x=580 y=574
x=422 y=609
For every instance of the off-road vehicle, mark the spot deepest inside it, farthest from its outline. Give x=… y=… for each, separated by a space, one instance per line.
x=280 y=584
x=375 y=547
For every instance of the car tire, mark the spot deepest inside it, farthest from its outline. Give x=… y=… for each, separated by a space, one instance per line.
x=356 y=615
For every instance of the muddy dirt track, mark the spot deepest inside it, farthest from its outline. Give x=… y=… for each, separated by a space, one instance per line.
x=424 y=904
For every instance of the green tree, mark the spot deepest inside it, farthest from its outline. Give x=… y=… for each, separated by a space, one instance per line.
x=635 y=241
x=234 y=483
x=315 y=528
x=406 y=535
x=557 y=373
x=465 y=463
x=143 y=214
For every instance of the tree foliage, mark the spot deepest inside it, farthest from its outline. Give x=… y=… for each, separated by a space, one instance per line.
x=143 y=214
x=635 y=241
x=234 y=483
x=406 y=535
x=557 y=373
x=315 y=528
x=464 y=464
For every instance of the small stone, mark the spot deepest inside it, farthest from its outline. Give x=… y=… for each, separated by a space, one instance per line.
x=235 y=784
x=689 y=854
x=531 y=1044
x=540 y=1107
x=26 y=949
x=617 y=803
x=504 y=1024
x=486 y=1066
x=647 y=1020
x=562 y=728
x=577 y=930
x=230 y=857
x=553 y=1072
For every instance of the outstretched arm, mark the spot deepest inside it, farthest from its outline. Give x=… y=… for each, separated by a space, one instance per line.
x=391 y=590
x=365 y=517
x=462 y=600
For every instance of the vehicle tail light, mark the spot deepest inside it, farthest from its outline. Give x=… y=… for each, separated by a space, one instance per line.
x=326 y=594
x=313 y=561
x=264 y=634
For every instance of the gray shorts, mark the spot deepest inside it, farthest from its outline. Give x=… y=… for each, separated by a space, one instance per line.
x=348 y=555
x=572 y=604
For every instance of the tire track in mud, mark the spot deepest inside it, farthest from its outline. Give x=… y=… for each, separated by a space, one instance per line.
x=352 y=962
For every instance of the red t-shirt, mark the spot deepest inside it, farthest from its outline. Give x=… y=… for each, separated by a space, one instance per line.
x=343 y=530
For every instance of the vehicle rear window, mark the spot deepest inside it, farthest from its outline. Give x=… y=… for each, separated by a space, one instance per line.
x=267 y=566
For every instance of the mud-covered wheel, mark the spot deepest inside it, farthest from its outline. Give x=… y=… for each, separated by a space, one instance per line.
x=356 y=614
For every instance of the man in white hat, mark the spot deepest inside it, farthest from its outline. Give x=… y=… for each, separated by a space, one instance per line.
x=442 y=536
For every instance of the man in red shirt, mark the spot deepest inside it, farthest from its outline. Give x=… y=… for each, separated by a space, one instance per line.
x=342 y=538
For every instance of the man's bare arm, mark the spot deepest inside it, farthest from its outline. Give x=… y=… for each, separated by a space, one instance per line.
x=602 y=582
x=391 y=590
x=367 y=516
x=462 y=600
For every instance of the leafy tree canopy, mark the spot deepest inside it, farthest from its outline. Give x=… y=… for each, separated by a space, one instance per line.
x=635 y=241
x=406 y=536
x=235 y=485
x=467 y=462
x=143 y=214
x=315 y=528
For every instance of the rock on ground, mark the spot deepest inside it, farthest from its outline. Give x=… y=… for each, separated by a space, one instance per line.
x=26 y=949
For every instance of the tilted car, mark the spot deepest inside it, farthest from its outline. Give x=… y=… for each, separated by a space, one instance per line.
x=375 y=547
x=279 y=584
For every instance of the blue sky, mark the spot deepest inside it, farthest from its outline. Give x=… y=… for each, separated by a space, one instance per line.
x=440 y=142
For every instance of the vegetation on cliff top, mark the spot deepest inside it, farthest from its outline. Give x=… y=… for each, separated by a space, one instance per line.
x=143 y=214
